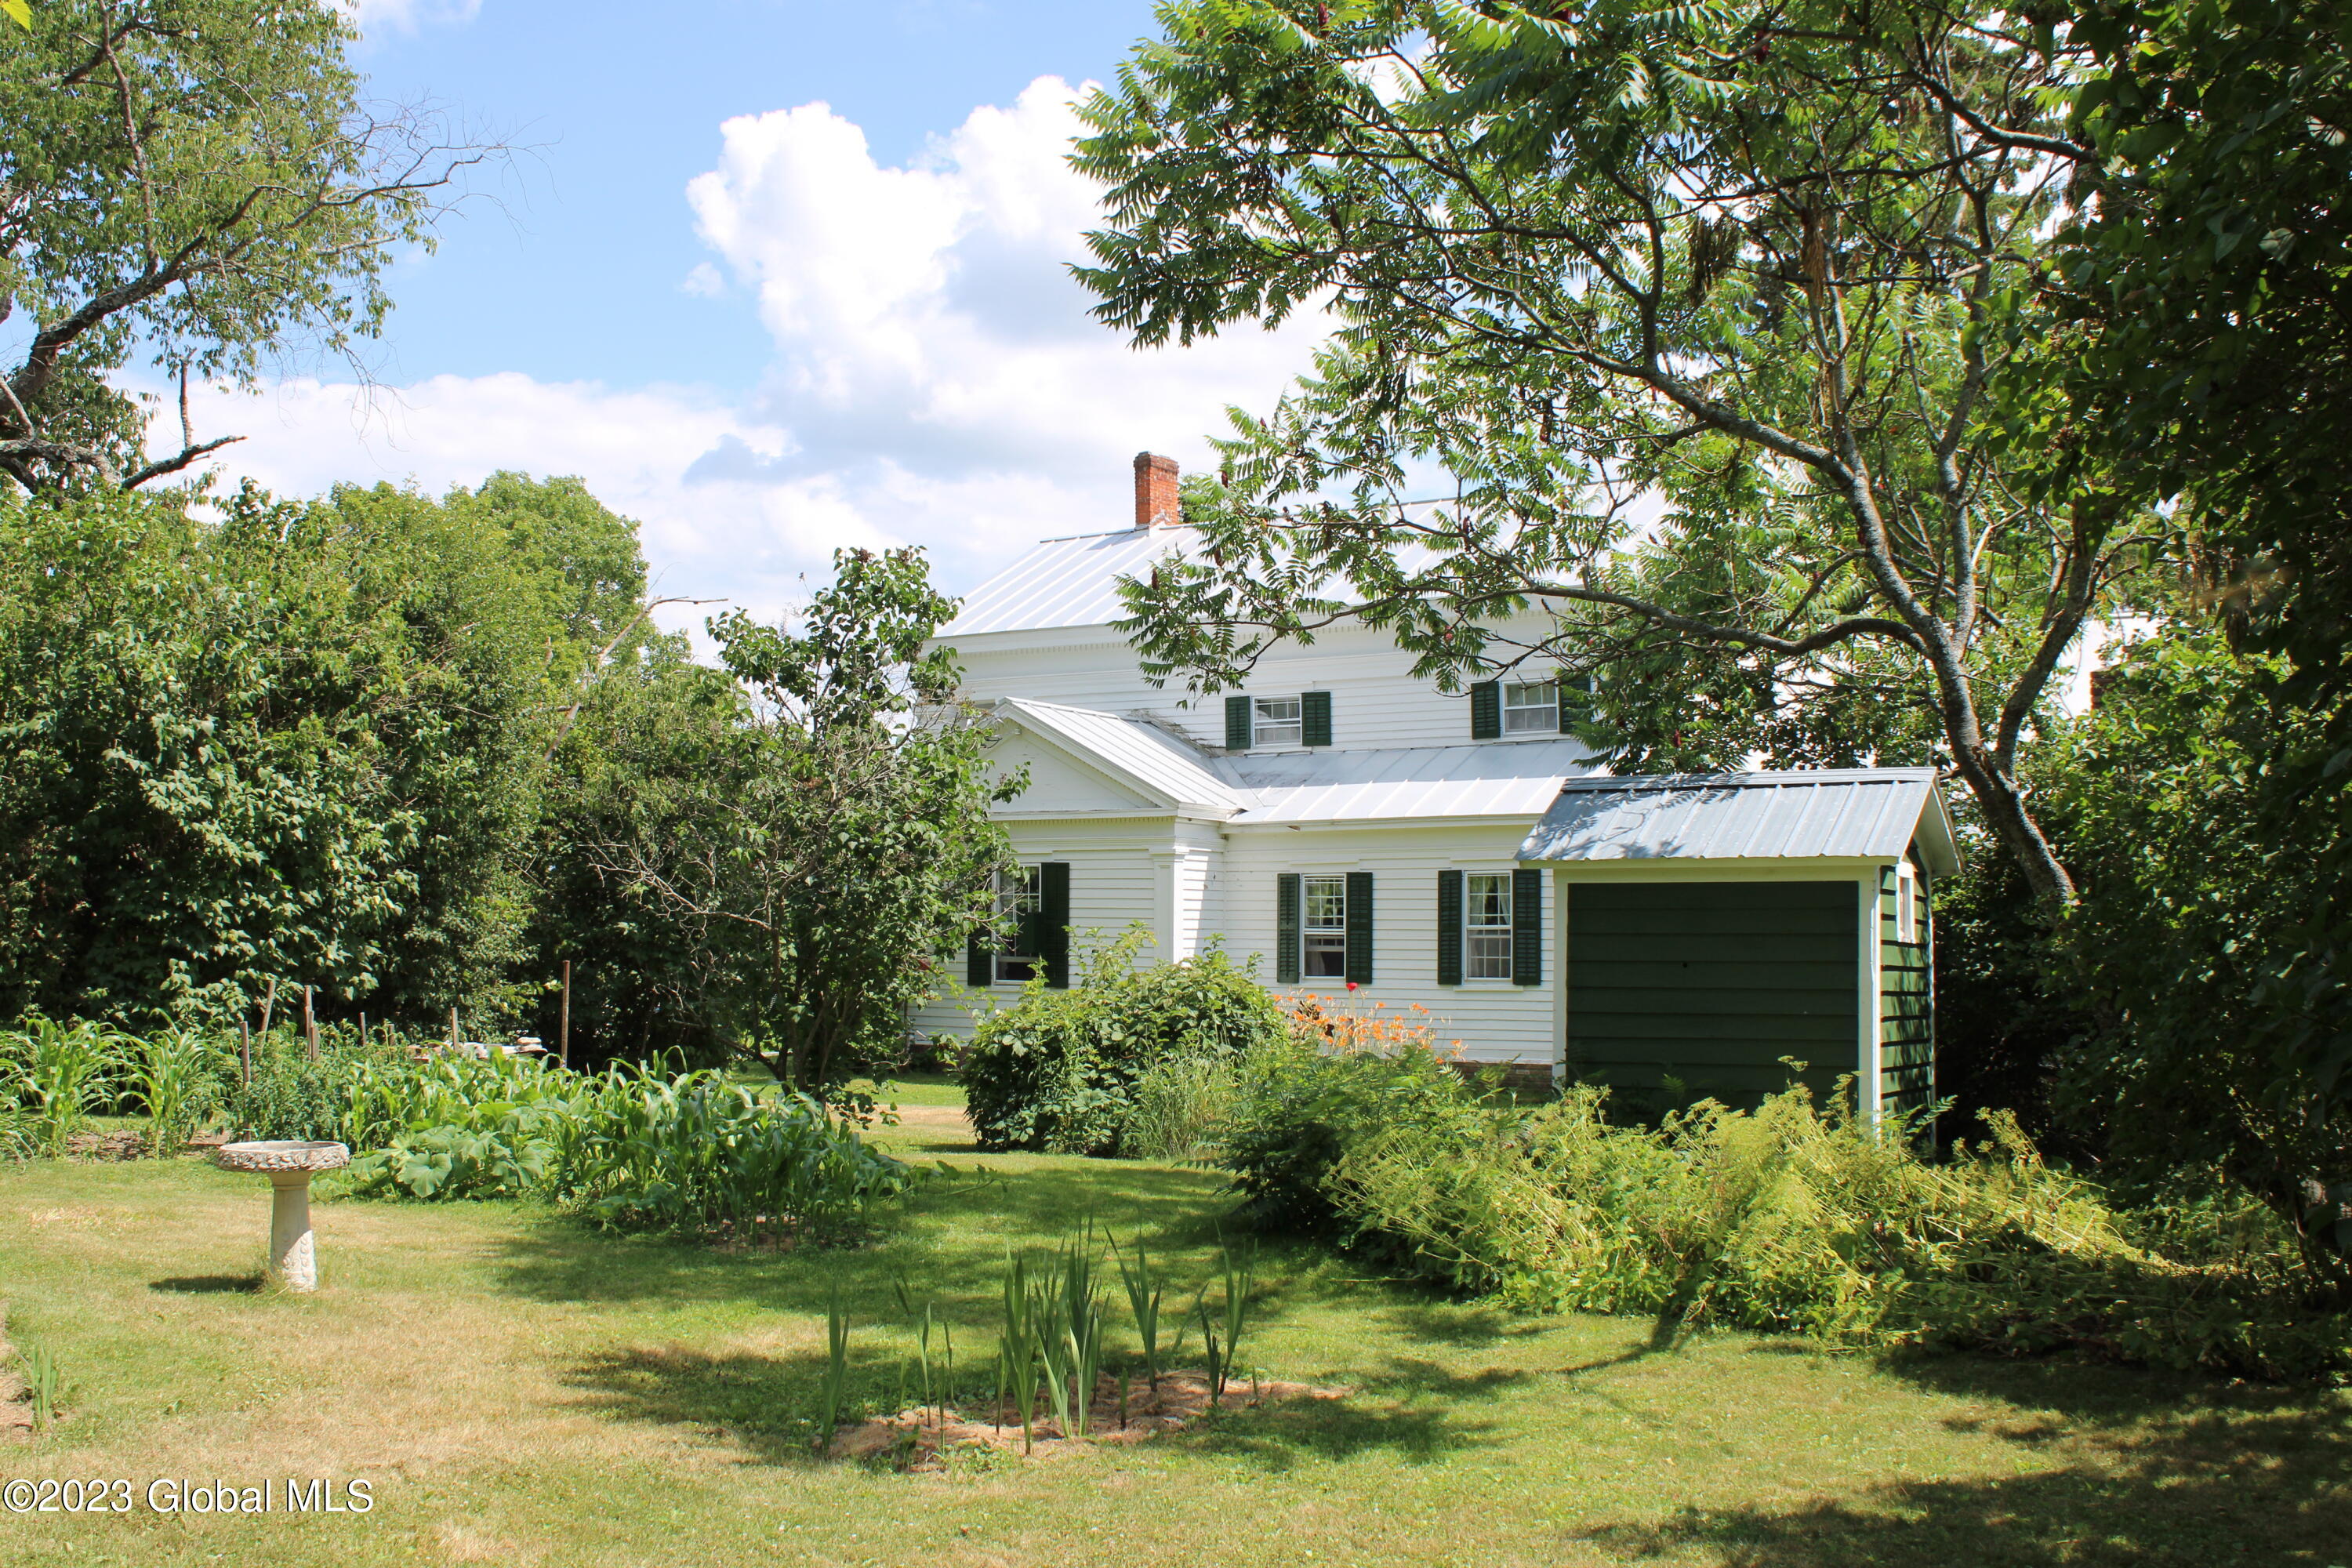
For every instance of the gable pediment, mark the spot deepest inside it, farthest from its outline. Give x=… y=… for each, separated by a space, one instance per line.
x=1059 y=784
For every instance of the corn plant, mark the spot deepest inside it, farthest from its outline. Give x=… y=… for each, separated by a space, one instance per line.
x=176 y=1073
x=833 y=1393
x=59 y=1073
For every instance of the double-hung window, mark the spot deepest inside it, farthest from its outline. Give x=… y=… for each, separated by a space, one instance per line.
x=1486 y=925
x=1323 y=949
x=1532 y=707
x=1020 y=899
x=1275 y=722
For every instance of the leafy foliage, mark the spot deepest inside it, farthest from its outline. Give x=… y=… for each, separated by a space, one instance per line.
x=2193 y=930
x=198 y=184
x=1667 y=337
x=1784 y=1218
x=1062 y=1070
x=837 y=836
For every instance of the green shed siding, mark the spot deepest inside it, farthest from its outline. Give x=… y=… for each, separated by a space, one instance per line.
x=1906 y=1021
x=1712 y=982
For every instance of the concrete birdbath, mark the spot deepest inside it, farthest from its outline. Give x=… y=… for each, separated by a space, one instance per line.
x=289 y=1164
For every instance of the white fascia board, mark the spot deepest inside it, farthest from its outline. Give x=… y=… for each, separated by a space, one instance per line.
x=1110 y=813
x=1932 y=834
x=1389 y=824
x=1762 y=868
x=1013 y=640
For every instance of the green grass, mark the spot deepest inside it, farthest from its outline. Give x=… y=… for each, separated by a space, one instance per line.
x=919 y=1089
x=521 y=1390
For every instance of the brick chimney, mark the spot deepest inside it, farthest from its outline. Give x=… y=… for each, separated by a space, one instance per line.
x=1155 y=492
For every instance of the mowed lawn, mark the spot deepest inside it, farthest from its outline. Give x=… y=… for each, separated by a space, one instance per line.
x=520 y=1390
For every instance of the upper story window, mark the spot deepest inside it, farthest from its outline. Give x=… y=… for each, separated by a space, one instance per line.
x=1275 y=722
x=1020 y=899
x=1486 y=925
x=1323 y=948
x=1530 y=707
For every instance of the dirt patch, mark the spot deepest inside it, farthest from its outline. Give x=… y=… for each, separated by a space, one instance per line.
x=948 y=1118
x=16 y=1394
x=918 y=1437
x=124 y=1143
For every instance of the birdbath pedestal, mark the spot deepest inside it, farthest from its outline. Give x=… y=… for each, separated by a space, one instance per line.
x=289 y=1164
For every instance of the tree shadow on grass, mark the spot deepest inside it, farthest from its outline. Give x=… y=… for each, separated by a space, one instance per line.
x=2115 y=1467
x=1412 y=1409
x=209 y=1285
x=766 y=1406
x=947 y=1241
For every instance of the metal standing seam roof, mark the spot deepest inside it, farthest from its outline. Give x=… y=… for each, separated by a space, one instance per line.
x=1871 y=814
x=1517 y=779
x=1144 y=754
x=1064 y=583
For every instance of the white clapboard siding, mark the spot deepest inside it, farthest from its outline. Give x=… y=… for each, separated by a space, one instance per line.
x=1495 y=1021
x=1115 y=870
x=1113 y=880
x=1376 y=700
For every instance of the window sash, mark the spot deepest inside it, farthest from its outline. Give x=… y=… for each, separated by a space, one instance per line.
x=1532 y=707
x=1486 y=925
x=1325 y=955
x=1276 y=722
x=1486 y=955
x=1326 y=903
x=1019 y=894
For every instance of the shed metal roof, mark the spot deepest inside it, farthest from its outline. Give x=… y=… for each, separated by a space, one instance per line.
x=1513 y=780
x=1870 y=813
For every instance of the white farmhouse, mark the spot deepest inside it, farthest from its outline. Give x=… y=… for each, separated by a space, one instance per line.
x=1360 y=833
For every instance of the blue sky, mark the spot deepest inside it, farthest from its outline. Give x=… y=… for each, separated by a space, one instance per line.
x=773 y=277
x=578 y=269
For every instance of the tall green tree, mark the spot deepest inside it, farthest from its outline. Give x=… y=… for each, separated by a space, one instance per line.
x=309 y=741
x=194 y=186
x=2201 y=314
x=1691 y=316
x=839 y=840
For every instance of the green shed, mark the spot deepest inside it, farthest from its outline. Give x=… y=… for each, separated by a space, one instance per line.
x=1712 y=925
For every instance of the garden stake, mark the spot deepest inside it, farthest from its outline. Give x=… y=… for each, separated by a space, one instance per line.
x=269 y=1001
x=309 y=1027
x=244 y=1050
x=564 y=1023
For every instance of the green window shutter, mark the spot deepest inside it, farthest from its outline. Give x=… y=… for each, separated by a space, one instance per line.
x=1054 y=923
x=978 y=963
x=1237 y=723
x=1486 y=711
x=1287 y=923
x=1527 y=928
x=1359 y=927
x=1315 y=718
x=1449 y=927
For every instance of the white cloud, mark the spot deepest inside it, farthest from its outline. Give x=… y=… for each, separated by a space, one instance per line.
x=935 y=377
x=408 y=16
